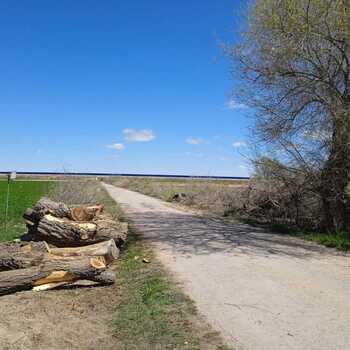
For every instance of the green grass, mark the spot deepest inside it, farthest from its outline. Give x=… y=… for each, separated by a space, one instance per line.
x=23 y=194
x=339 y=240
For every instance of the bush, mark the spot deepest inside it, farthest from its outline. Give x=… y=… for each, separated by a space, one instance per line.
x=76 y=191
x=272 y=201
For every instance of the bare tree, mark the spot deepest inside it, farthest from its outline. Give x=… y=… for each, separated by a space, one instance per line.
x=295 y=61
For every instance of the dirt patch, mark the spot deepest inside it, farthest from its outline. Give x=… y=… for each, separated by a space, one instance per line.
x=75 y=318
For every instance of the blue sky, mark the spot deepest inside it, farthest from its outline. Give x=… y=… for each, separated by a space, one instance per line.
x=120 y=86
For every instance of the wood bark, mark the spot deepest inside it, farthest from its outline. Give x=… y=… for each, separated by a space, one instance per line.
x=56 y=271
x=66 y=233
x=23 y=255
x=46 y=206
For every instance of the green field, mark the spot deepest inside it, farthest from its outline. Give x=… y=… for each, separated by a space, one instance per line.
x=23 y=194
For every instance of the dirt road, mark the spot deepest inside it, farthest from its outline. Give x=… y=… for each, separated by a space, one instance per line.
x=262 y=291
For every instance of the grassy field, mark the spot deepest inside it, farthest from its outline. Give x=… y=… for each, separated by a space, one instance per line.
x=23 y=194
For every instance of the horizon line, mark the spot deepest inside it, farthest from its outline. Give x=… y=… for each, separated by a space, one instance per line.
x=62 y=173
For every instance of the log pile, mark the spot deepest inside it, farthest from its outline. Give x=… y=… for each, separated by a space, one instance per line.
x=64 y=244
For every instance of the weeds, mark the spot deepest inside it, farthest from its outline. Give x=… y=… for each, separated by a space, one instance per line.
x=339 y=240
x=76 y=191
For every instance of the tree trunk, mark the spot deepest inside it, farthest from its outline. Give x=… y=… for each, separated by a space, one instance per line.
x=335 y=178
x=19 y=255
x=54 y=272
x=66 y=233
x=46 y=206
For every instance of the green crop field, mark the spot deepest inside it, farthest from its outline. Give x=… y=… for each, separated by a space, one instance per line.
x=23 y=194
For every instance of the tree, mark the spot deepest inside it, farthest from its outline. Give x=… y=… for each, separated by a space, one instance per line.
x=294 y=59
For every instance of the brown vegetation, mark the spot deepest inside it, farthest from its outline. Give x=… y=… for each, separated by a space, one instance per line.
x=208 y=195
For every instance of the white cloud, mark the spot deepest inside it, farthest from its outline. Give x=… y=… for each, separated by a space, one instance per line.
x=133 y=135
x=239 y=144
x=116 y=146
x=194 y=141
x=196 y=155
x=232 y=104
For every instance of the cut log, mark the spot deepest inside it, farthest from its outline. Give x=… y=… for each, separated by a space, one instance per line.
x=107 y=249
x=23 y=255
x=106 y=226
x=66 y=233
x=80 y=213
x=56 y=271
x=43 y=207
x=74 y=226
x=106 y=277
x=85 y=213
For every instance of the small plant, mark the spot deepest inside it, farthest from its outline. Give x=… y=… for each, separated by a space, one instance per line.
x=339 y=240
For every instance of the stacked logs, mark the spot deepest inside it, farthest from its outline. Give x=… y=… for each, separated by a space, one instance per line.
x=64 y=244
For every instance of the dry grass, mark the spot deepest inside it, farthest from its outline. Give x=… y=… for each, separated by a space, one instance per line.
x=213 y=196
x=76 y=191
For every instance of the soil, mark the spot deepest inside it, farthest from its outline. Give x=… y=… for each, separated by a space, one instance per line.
x=72 y=318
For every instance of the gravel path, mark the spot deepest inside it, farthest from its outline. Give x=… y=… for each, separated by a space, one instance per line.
x=262 y=291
